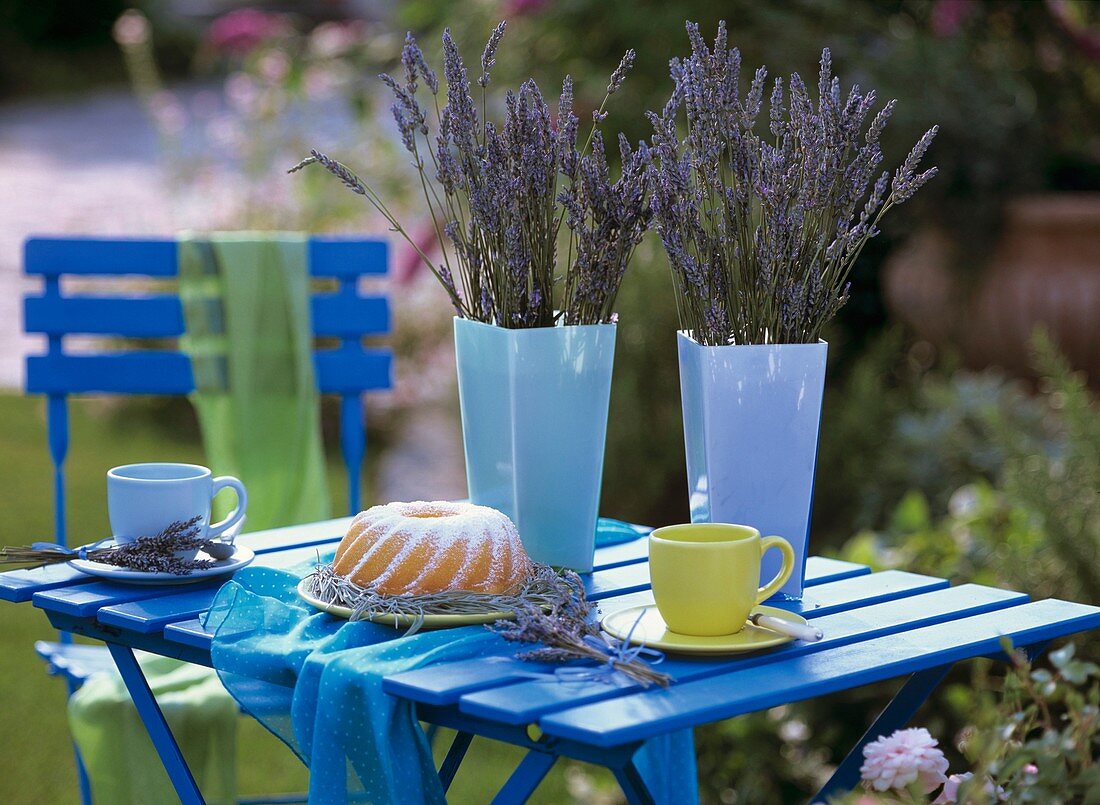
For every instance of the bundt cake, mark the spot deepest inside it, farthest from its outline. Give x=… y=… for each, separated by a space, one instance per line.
x=433 y=547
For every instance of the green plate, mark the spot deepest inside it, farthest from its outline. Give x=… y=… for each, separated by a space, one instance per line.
x=404 y=621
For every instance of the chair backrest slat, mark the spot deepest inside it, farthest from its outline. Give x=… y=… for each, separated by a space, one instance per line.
x=344 y=313
x=161 y=373
x=86 y=256
x=329 y=256
x=347 y=257
x=339 y=371
x=347 y=371
x=133 y=317
x=334 y=315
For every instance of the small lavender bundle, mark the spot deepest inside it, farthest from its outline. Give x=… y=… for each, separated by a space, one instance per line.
x=761 y=232
x=158 y=553
x=567 y=633
x=499 y=194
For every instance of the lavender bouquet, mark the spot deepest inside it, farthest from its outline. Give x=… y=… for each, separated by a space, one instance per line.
x=762 y=231
x=499 y=194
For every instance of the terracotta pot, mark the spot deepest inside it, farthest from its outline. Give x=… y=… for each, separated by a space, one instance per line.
x=1045 y=272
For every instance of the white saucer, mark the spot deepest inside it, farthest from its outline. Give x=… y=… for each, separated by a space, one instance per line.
x=241 y=556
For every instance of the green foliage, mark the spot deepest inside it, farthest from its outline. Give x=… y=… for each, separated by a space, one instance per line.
x=890 y=426
x=1032 y=519
x=1034 y=738
x=1061 y=491
x=759 y=758
x=1041 y=742
x=645 y=479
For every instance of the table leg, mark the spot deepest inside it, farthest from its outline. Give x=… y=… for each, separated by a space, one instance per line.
x=454 y=758
x=632 y=784
x=155 y=725
x=905 y=704
x=525 y=779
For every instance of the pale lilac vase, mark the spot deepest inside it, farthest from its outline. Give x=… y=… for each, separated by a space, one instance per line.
x=751 y=419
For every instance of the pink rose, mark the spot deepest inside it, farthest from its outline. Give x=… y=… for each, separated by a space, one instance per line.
x=899 y=760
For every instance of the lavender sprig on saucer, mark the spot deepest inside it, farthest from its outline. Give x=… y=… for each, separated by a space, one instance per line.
x=158 y=553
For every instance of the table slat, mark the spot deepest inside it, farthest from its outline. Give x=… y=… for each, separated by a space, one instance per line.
x=189 y=632
x=526 y=701
x=625 y=553
x=21 y=585
x=644 y=715
x=631 y=578
x=85 y=600
x=446 y=683
x=825 y=599
x=154 y=614
x=279 y=539
x=820 y=569
x=148 y=614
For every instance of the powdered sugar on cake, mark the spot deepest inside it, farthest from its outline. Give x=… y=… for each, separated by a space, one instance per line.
x=424 y=547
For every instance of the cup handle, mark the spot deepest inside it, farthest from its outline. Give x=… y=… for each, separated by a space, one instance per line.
x=235 y=516
x=769 y=589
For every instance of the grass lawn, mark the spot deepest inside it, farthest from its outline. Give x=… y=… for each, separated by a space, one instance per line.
x=38 y=765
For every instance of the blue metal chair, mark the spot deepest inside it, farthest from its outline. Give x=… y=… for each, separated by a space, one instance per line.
x=347 y=370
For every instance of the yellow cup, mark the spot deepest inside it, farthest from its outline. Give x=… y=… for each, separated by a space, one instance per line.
x=705 y=575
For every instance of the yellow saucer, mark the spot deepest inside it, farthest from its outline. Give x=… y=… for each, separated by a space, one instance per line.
x=653 y=632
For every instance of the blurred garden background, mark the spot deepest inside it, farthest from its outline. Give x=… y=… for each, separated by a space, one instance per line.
x=960 y=433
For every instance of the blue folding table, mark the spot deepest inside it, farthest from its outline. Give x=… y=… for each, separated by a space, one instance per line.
x=878 y=626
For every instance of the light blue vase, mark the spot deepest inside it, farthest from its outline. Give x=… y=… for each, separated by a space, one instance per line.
x=534 y=423
x=751 y=419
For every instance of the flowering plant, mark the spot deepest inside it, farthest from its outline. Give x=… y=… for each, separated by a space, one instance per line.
x=909 y=757
x=222 y=140
x=761 y=233
x=1039 y=743
x=498 y=195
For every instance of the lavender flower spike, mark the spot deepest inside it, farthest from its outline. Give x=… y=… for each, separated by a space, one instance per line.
x=762 y=228
x=413 y=59
x=488 y=56
x=350 y=180
x=500 y=193
x=906 y=181
x=619 y=76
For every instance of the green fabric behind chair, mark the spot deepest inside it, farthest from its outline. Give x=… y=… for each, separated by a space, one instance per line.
x=123 y=766
x=246 y=304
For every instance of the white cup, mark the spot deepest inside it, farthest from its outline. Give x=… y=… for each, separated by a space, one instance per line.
x=144 y=499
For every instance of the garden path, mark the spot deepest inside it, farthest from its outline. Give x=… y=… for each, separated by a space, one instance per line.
x=90 y=164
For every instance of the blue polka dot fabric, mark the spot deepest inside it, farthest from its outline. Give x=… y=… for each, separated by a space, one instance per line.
x=315 y=681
